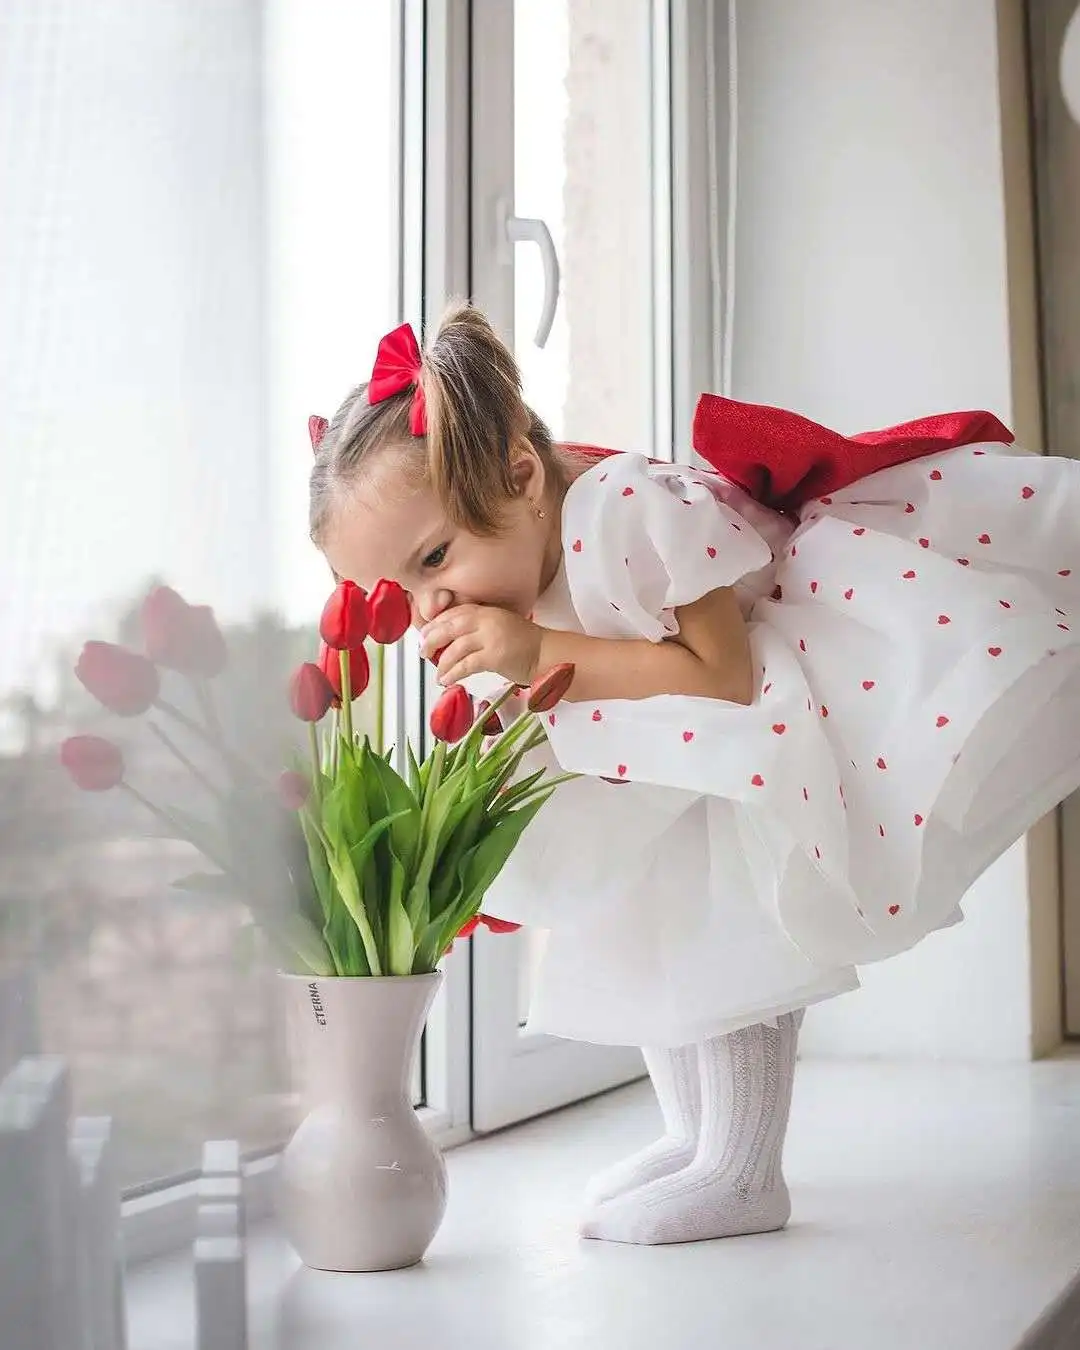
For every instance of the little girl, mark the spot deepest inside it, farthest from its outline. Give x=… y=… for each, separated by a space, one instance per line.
x=819 y=689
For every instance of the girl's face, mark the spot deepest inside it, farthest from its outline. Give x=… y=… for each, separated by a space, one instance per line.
x=389 y=526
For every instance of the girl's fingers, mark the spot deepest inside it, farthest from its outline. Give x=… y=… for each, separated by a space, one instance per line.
x=442 y=631
x=458 y=651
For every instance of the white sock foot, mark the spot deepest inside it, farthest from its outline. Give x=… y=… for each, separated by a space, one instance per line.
x=734 y=1184
x=676 y=1082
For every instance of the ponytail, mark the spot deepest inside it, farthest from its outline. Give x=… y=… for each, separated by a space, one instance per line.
x=475 y=414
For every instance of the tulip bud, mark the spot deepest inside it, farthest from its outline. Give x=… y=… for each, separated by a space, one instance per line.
x=316 y=426
x=390 y=611
x=345 y=618
x=180 y=636
x=546 y=691
x=293 y=789
x=95 y=764
x=123 y=681
x=493 y=726
x=359 y=671
x=452 y=715
x=310 y=693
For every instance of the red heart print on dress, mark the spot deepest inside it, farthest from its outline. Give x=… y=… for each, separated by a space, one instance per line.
x=1004 y=604
x=942 y=721
x=551 y=719
x=880 y=762
x=824 y=711
x=622 y=770
x=1027 y=493
x=984 y=538
x=935 y=476
x=813 y=588
x=964 y=562
x=688 y=736
x=711 y=551
x=628 y=492
x=868 y=685
x=909 y=509
x=805 y=795
x=802 y=644
x=766 y=689
x=909 y=575
x=881 y=831
x=943 y=619
x=576 y=546
x=849 y=592
x=894 y=910
x=757 y=781
x=597 y=715
x=1065 y=572
x=918 y=818
x=603 y=477
x=994 y=651
x=860 y=531
x=779 y=728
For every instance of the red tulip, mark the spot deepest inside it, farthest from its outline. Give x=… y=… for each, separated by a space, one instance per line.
x=546 y=691
x=345 y=619
x=125 y=682
x=492 y=925
x=390 y=611
x=180 y=636
x=316 y=426
x=493 y=726
x=310 y=693
x=95 y=764
x=293 y=789
x=452 y=715
x=359 y=671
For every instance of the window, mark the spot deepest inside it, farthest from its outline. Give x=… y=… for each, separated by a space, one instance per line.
x=571 y=191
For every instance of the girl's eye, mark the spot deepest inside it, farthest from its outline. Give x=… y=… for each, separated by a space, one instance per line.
x=436 y=557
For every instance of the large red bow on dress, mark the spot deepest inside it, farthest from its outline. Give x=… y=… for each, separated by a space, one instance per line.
x=784 y=460
x=397 y=367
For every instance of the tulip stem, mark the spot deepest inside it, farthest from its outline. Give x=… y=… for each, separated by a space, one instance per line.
x=234 y=762
x=192 y=768
x=316 y=760
x=206 y=703
x=345 y=657
x=380 y=695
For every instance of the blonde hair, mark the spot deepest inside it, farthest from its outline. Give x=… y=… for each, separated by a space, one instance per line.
x=475 y=416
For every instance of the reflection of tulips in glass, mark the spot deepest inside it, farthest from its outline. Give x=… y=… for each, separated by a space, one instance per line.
x=377 y=871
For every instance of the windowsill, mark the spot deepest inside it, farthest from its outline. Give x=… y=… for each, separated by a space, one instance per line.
x=933 y=1205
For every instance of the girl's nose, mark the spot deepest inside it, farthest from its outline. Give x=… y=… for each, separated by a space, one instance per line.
x=429 y=604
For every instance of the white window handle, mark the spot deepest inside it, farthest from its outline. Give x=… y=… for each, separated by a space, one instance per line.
x=526 y=229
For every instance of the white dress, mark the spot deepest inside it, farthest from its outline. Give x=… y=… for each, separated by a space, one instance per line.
x=917 y=709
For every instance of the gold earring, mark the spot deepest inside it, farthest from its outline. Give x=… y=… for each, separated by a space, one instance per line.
x=541 y=514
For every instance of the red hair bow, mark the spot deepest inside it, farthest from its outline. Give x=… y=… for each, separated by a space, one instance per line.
x=397 y=368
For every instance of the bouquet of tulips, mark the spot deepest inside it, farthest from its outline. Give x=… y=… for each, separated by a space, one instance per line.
x=348 y=866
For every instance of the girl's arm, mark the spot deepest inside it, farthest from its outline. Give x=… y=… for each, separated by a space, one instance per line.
x=708 y=658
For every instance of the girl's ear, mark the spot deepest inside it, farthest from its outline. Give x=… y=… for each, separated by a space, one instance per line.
x=527 y=470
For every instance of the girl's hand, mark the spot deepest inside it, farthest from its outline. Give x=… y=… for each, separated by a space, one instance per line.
x=474 y=638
